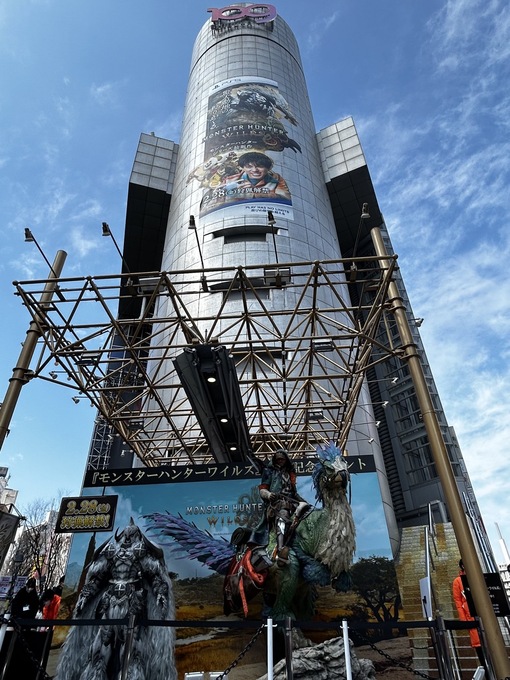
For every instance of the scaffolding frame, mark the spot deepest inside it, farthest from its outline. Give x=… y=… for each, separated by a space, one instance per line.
x=300 y=366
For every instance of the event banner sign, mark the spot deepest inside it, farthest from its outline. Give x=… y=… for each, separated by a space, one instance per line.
x=91 y=513
x=217 y=503
x=206 y=506
x=211 y=472
x=8 y=527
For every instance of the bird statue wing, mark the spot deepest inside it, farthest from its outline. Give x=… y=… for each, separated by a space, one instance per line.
x=186 y=540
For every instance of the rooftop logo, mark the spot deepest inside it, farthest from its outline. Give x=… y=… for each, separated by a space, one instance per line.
x=261 y=14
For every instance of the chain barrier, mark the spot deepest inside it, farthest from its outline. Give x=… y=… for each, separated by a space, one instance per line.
x=242 y=654
x=400 y=664
x=41 y=671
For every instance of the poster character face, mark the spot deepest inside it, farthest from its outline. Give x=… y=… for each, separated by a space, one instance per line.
x=254 y=181
x=255 y=165
x=211 y=173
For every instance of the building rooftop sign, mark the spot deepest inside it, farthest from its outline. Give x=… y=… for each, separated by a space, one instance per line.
x=258 y=13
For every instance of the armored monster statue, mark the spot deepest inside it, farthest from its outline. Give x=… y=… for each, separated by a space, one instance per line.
x=127 y=576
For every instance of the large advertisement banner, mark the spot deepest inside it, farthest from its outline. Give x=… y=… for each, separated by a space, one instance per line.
x=247 y=120
x=219 y=507
x=214 y=506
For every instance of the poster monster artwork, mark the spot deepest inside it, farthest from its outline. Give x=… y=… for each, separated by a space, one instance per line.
x=247 y=121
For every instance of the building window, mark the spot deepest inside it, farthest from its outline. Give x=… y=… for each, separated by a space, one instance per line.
x=418 y=461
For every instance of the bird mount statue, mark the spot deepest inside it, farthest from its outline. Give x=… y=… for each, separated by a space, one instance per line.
x=320 y=548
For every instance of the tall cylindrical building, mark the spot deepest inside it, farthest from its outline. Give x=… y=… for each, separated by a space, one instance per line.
x=248 y=145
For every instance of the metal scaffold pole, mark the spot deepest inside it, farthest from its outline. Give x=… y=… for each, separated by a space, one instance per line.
x=35 y=331
x=444 y=469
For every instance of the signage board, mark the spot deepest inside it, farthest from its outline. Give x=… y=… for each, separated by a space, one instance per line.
x=7 y=589
x=86 y=513
x=178 y=474
x=8 y=527
x=260 y=13
x=496 y=592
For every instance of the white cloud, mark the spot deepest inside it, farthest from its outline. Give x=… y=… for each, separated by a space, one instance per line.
x=318 y=29
x=82 y=244
x=65 y=115
x=90 y=208
x=50 y=152
x=168 y=128
x=117 y=172
x=464 y=300
x=15 y=457
x=106 y=94
x=499 y=44
x=441 y=172
x=58 y=199
x=28 y=265
x=469 y=33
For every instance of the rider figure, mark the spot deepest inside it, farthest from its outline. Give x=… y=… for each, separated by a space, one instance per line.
x=284 y=506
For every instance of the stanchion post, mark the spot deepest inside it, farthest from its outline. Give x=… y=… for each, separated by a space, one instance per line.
x=270 y=654
x=10 y=652
x=347 y=650
x=444 y=660
x=128 y=646
x=45 y=652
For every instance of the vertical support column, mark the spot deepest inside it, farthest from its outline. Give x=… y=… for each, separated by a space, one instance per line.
x=270 y=654
x=445 y=473
x=288 y=648
x=128 y=646
x=33 y=334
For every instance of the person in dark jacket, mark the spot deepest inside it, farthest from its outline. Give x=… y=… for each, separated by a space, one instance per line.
x=26 y=601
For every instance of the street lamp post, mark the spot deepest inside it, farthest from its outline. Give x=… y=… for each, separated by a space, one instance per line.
x=445 y=472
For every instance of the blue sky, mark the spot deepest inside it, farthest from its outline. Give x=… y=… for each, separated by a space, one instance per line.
x=427 y=84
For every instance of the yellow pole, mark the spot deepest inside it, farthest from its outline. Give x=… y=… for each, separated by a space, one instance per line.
x=19 y=377
x=458 y=518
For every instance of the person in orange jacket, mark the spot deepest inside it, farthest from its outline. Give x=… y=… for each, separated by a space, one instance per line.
x=50 y=604
x=461 y=603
